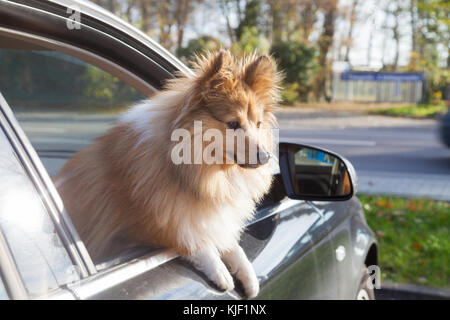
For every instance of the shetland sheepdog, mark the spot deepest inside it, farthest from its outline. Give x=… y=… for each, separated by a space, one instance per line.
x=128 y=184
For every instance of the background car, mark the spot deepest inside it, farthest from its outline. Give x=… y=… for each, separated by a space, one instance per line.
x=303 y=244
x=445 y=122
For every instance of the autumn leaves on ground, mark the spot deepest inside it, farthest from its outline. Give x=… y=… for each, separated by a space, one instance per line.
x=413 y=238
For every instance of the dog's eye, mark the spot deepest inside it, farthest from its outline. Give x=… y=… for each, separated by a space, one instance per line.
x=258 y=124
x=233 y=125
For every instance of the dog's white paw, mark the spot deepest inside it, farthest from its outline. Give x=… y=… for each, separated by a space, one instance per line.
x=243 y=270
x=222 y=278
x=208 y=261
x=249 y=281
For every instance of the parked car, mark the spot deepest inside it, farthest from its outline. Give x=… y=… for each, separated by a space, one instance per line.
x=444 y=127
x=308 y=239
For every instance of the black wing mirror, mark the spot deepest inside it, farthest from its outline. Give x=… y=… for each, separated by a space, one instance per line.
x=315 y=174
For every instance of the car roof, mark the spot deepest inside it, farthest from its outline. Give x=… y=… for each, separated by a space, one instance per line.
x=101 y=14
x=100 y=32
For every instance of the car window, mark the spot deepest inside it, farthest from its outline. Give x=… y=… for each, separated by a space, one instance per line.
x=61 y=102
x=41 y=259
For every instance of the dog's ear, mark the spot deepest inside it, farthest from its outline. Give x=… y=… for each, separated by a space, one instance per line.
x=213 y=69
x=260 y=75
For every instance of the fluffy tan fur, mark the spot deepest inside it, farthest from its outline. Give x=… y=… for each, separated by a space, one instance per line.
x=125 y=185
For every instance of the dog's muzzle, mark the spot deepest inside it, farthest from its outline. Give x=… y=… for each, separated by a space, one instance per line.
x=262 y=158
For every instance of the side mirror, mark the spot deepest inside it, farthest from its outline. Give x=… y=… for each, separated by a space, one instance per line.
x=315 y=174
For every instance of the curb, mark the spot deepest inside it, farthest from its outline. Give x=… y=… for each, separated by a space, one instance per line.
x=400 y=291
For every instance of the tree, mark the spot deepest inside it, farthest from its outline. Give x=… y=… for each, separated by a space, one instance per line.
x=165 y=20
x=251 y=15
x=349 y=38
x=292 y=19
x=395 y=11
x=325 y=42
x=430 y=23
x=308 y=16
x=297 y=61
x=197 y=46
x=182 y=11
x=251 y=40
x=111 y=5
x=225 y=9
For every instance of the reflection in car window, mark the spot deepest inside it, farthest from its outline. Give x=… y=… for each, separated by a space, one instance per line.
x=61 y=102
x=40 y=257
x=316 y=157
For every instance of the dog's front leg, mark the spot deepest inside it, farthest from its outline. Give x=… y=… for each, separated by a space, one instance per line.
x=241 y=267
x=208 y=261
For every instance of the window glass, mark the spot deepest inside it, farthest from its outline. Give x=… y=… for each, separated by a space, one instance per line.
x=40 y=257
x=61 y=102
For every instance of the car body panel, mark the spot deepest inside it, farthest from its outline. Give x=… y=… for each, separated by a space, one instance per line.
x=291 y=243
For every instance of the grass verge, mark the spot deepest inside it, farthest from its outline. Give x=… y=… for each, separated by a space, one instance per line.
x=413 y=111
x=413 y=237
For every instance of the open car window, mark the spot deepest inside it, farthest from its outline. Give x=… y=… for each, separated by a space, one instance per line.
x=61 y=102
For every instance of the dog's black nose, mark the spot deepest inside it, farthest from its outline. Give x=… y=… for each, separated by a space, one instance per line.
x=263 y=157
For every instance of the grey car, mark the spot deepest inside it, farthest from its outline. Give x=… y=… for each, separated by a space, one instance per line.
x=308 y=239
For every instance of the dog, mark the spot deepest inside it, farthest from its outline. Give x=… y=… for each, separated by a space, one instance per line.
x=126 y=184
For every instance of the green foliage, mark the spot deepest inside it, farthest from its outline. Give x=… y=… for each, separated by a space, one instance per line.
x=197 y=46
x=251 y=40
x=437 y=10
x=48 y=80
x=297 y=61
x=413 y=111
x=104 y=87
x=414 y=246
x=252 y=14
x=437 y=80
x=432 y=37
x=289 y=93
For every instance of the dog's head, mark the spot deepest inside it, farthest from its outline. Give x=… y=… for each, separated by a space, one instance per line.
x=234 y=98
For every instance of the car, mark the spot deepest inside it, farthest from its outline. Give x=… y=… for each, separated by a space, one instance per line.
x=66 y=65
x=444 y=125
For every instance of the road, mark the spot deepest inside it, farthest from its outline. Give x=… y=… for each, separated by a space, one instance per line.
x=393 y=156
x=409 y=150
